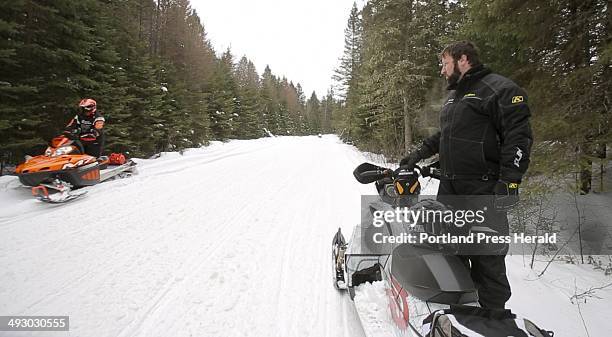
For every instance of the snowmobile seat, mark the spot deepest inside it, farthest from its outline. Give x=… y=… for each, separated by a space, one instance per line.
x=432 y=276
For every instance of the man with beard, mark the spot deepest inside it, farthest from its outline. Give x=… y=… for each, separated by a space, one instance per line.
x=484 y=143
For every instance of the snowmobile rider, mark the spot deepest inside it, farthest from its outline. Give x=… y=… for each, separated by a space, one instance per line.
x=484 y=144
x=87 y=127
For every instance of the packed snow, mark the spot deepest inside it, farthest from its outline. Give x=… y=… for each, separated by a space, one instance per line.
x=232 y=239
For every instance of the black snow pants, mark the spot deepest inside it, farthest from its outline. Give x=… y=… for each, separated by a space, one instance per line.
x=488 y=271
x=95 y=147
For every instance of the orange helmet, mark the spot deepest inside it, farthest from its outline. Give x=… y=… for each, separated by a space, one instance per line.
x=87 y=106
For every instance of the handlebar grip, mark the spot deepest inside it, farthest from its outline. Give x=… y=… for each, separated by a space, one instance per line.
x=429 y=171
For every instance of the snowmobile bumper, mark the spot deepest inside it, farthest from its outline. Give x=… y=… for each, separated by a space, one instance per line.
x=85 y=175
x=361 y=264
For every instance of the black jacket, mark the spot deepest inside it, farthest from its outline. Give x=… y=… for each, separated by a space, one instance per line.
x=88 y=127
x=484 y=129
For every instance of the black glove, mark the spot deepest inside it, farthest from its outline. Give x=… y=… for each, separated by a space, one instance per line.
x=506 y=195
x=410 y=161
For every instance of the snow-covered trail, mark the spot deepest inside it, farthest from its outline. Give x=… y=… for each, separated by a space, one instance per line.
x=229 y=240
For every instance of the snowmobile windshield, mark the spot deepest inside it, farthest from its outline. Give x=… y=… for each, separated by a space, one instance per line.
x=63 y=150
x=59 y=141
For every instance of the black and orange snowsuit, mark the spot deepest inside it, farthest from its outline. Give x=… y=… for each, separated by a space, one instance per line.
x=88 y=129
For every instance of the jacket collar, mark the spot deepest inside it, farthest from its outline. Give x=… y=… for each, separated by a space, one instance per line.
x=471 y=76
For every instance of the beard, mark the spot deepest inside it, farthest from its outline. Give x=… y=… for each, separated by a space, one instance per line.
x=454 y=78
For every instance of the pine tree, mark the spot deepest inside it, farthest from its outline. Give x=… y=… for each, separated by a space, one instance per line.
x=149 y=65
x=223 y=98
x=51 y=65
x=269 y=101
x=17 y=131
x=301 y=123
x=200 y=57
x=347 y=74
x=387 y=98
x=313 y=114
x=247 y=79
x=293 y=106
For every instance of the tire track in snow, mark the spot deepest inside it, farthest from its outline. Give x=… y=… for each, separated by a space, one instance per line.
x=144 y=329
x=164 y=260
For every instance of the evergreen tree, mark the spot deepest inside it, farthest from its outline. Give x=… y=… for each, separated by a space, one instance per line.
x=387 y=71
x=200 y=57
x=269 y=101
x=17 y=132
x=293 y=107
x=224 y=98
x=51 y=48
x=133 y=125
x=347 y=74
x=300 y=122
x=150 y=67
x=248 y=123
x=313 y=114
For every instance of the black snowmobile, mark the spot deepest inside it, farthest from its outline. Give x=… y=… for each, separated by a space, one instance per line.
x=422 y=281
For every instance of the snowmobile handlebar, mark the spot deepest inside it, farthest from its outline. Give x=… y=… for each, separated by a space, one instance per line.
x=432 y=170
x=73 y=141
x=368 y=173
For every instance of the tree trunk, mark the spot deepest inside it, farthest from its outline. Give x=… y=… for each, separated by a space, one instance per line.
x=140 y=5
x=408 y=132
x=585 y=167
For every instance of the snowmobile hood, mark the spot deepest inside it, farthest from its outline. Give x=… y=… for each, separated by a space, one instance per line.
x=44 y=163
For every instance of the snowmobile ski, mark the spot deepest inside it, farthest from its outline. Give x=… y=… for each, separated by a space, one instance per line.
x=61 y=192
x=338 y=249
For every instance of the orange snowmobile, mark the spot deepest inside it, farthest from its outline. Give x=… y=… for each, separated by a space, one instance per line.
x=64 y=167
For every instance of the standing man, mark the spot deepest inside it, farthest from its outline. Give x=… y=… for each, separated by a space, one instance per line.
x=484 y=143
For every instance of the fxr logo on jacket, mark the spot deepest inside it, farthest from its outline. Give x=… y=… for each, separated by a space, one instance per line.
x=519 y=156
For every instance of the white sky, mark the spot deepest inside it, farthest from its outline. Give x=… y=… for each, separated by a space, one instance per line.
x=299 y=39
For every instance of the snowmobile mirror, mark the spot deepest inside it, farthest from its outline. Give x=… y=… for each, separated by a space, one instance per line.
x=367 y=173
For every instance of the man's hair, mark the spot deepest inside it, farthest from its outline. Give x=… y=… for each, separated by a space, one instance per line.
x=467 y=48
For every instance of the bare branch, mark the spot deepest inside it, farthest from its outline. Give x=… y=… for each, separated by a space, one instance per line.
x=589 y=293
